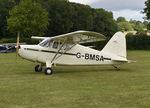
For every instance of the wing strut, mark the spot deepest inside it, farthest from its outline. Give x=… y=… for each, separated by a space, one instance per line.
x=55 y=57
x=65 y=51
x=58 y=50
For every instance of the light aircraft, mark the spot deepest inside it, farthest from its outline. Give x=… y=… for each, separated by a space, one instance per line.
x=66 y=50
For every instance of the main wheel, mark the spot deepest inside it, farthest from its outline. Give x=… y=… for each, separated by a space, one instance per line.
x=38 y=68
x=48 y=71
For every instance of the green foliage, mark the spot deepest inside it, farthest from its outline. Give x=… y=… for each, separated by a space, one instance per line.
x=66 y=17
x=5 y=6
x=28 y=18
x=124 y=26
x=29 y=41
x=104 y=22
x=22 y=40
x=7 y=40
x=140 y=41
x=139 y=26
x=60 y=14
x=147 y=11
x=132 y=25
x=82 y=17
x=134 y=42
x=121 y=19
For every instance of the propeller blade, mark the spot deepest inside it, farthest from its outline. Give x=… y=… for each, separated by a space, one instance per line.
x=17 y=43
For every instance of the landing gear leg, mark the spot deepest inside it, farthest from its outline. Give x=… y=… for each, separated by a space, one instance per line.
x=38 y=68
x=116 y=67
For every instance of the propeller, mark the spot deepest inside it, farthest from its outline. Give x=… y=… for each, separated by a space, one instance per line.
x=17 y=43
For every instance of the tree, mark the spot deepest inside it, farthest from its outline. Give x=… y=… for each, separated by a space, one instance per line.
x=5 y=6
x=123 y=24
x=60 y=14
x=139 y=26
x=82 y=17
x=147 y=11
x=67 y=17
x=121 y=19
x=104 y=22
x=28 y=18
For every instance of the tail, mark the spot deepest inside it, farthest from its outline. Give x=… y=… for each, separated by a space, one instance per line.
x=116 y=46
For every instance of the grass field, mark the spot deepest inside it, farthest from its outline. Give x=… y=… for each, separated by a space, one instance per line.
x=75 y=87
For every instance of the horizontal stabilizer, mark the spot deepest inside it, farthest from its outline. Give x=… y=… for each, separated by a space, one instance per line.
x=121 y=59
x=131 y=61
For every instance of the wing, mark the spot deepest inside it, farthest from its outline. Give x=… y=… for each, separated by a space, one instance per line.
x=77 y=37
x=80 y=37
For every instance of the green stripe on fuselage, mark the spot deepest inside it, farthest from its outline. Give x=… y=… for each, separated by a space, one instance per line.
x=48 y=51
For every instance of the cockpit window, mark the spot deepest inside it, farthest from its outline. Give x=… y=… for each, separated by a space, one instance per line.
x=55 y=45
x=45 y=43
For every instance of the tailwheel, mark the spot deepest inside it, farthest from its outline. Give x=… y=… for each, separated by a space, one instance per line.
x=38 y=68
x=48 y=71
x=116 y=67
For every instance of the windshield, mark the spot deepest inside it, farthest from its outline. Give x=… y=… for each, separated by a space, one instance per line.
x=45 y=43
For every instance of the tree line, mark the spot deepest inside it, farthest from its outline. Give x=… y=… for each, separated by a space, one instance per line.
x=132 y=25
x=52 y=17
x=133 y=42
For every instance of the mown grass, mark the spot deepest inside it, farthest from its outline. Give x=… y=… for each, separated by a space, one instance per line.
x=75 y=87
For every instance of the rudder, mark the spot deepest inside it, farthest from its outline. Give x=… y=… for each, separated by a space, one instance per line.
x=116 y=45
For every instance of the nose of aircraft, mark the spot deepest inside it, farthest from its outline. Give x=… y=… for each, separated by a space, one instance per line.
x=25 y=52
x=20 y=51
x=17 y=48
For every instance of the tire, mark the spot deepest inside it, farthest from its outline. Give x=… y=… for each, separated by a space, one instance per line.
x=38 y=68
x=48 y=71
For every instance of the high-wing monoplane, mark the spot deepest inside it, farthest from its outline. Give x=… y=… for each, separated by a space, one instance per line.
x=66 y=49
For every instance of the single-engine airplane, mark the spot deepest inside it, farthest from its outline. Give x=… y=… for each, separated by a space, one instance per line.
x=66 y=50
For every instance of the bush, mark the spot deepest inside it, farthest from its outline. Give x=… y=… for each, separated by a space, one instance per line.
x=8 y=40
x=134 y=42
x=30 y=41
x=138 y=42
x=22 y=40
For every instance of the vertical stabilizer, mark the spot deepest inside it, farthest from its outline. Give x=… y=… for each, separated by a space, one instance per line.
x=116 y=45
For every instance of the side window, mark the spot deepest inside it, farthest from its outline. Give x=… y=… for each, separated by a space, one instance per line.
x=55 y=45
x=50 y=44
x=67 y=47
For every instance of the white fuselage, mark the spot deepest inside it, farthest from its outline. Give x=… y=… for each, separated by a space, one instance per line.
x=77 y=55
